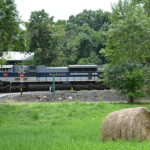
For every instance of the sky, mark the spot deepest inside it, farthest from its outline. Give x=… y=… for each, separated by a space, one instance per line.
x=61 y=9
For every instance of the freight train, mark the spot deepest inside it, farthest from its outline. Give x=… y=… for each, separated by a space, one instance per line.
x=40 y=77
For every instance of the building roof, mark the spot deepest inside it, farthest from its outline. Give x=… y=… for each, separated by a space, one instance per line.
x=17 y=56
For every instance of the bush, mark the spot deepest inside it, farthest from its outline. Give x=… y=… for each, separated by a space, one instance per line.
x=128 y=78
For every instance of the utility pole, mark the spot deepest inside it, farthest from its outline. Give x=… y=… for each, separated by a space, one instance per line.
x=21 y=80
x=10 y=87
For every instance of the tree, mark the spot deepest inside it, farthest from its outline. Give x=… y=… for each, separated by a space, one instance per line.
x=144 y=3
x=90 y=27
x=95 y=19
x=71 y=47
x=40 y=40
x=53 y=42
x=9 y=25
x=22 y=41
x=129 y=36
x=128 y=41
x=66 y=44
x=92 y=59
x=59 y=38
x=90 y=43
x=127 y=78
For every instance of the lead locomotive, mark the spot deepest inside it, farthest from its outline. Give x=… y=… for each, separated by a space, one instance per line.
x=42 y=77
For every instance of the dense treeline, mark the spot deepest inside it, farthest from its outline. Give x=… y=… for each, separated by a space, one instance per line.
x=75 y=41
x=119 y=39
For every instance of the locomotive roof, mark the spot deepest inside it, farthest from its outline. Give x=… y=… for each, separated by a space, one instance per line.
x=55 y=68
x=82 y=66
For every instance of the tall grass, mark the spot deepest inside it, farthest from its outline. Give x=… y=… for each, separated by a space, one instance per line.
x=62 y=126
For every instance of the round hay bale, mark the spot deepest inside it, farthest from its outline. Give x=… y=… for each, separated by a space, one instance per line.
x=127 y=124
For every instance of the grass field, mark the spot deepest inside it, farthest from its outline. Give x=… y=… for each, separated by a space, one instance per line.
x=61 y=126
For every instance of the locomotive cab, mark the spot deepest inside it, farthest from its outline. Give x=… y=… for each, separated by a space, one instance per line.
x=6 y=68
x=5 y=71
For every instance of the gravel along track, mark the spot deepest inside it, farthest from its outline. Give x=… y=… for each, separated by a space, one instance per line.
x=85 y=96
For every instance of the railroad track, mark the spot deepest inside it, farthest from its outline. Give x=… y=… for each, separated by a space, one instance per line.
x=48 y=87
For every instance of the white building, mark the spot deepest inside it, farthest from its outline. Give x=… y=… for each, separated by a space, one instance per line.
x=14 y=57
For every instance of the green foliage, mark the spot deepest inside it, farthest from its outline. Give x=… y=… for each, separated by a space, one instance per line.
x=22 y=41
x=9 y=25
x=65 y=126
x=93 y=59
x=67 y=42
x=129 y=35
x=134 y=82
x=50 y=41
x=40 y=40
x=147 y=83
x=127 y=78
x=26 y=62
x=144 y=3
x=95 y=19
x=90 y=43
x=128 y=46
x=3 y=61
